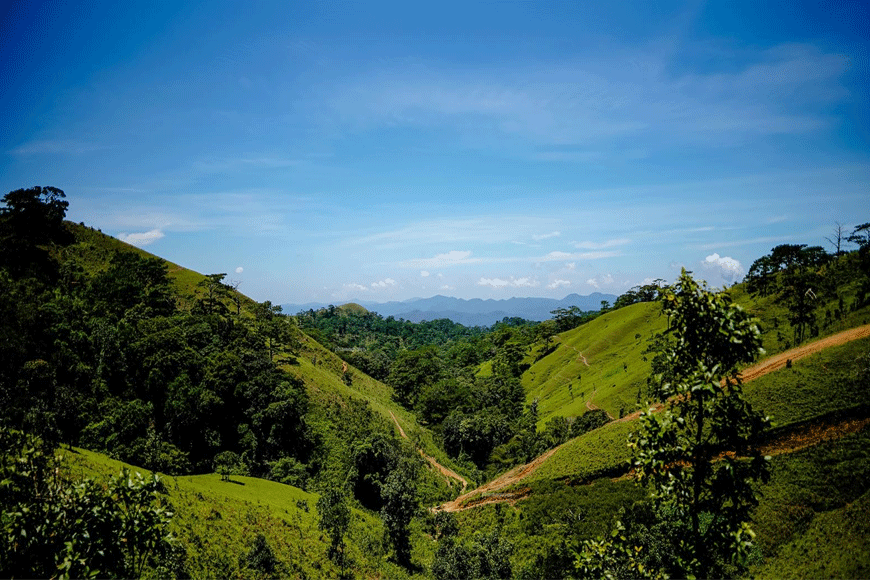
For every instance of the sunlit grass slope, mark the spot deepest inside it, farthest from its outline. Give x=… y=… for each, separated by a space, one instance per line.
x=821 y=383
x=322 y=372
x=814 y=386
x=813 y=518
x=93 y=250
x=217 y=521
x=613 y=345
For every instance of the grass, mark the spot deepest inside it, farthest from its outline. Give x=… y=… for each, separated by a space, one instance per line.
x=552 y=521
x=815 y=385
x=777 y=335
x=93 y=250
x=813 y=518
x=321 y=371
x=613 y=345
x=594 y=454
x=216 y=522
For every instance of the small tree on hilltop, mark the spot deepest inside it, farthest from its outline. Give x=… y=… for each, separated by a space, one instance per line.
x=698 y=455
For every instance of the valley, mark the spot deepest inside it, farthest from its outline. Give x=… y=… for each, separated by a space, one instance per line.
x=340 y=443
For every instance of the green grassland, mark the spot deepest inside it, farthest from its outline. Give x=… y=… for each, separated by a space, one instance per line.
x=93 y=250
x=613 y=345
x=816 y=385
x=777 y=334
x=813 y=518
x=599 y=452
x=216 y=522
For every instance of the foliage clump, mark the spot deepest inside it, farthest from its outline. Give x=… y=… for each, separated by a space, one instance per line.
x=55 y=527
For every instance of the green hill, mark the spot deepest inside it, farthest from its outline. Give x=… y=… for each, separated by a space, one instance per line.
x=601 y=362
x=216 y=522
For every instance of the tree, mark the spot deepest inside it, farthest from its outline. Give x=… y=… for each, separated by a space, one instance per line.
x=699 y=455
x=227 y=463
x=400 y=504
x=486 y=558
x=412 y=371
x=334 y=519
x=795 y=274
x=214 y=292
x=261 y=558
x=31 y=218
x=274 y=326
x=860 y=236
x=837 y=238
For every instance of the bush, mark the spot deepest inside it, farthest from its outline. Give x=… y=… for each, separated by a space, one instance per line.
x=55 y=527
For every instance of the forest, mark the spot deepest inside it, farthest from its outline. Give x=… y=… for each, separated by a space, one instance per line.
x=109 y=354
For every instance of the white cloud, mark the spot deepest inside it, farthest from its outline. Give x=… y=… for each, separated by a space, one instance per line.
x=494 y=282
x=424 y=274
x=540 y=237
x=446 y=287
x=558 y=283
x=384 y=283
x=239 y=270
x=587 y=245
x=605 y=280
x=56 y=147
x=450 y=258
x=524 y=282
x=141 y=238
x=726 y=268
x=557 y=256
x=355 y=286
x=571 y=266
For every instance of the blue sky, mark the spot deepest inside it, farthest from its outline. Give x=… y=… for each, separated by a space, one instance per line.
x=381 y=151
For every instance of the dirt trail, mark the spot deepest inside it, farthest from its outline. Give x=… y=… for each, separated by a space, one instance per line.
x=580 y=356
x=788 y=443
x=448 y=473
x=593 y=407
x=779 y=360
x=487 y=492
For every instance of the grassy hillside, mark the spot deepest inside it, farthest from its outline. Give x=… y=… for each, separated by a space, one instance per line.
x=93 y=250
x=615 y=372
x=812 y=519
x=320 y=370
x=217 y=521
x=616 y=375
x=815 y=386
x=323 y=374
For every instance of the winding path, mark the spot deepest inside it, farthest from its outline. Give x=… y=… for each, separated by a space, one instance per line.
x=786 y=442
x=446 y=472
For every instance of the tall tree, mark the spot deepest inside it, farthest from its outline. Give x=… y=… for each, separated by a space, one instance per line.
x=334 y=519
x=699 y=454
x=31 y=219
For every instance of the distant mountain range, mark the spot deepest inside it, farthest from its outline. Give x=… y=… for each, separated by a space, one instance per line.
x=474 y=312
